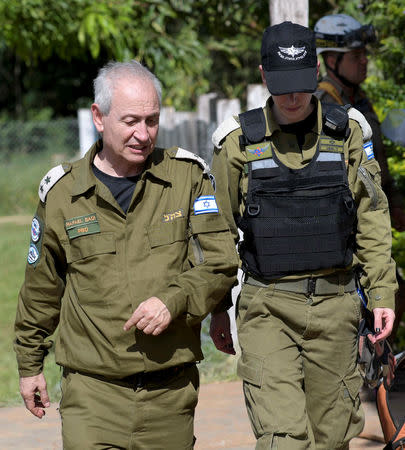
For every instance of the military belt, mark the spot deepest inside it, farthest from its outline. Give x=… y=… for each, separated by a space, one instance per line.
x=137 y=380
x=337 y=283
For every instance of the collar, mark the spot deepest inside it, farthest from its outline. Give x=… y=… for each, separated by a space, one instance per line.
x=85 y=178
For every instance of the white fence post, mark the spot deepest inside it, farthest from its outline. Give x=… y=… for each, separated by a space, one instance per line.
x=257 y=95
x=87 y=130
x=227 y=108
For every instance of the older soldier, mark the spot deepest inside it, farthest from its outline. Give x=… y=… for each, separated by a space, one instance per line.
x=301 y=184
x=128 y=253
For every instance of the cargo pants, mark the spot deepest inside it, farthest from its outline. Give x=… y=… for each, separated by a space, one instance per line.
x=101 y=415
x=298 y=365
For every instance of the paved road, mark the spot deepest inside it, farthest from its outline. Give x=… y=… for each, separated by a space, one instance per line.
x=221 y=423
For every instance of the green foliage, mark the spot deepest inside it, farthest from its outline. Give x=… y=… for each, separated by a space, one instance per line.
x=14 y=240
x=19 y=179
x=190 y=45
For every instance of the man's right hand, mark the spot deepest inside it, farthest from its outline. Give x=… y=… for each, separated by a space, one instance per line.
x=35 y=395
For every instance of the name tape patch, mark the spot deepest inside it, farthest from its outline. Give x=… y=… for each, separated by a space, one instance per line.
x=82 y=225
x=368 y=148
x=206 y=204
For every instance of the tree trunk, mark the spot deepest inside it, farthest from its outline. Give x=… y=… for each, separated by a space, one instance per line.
x=295 y=11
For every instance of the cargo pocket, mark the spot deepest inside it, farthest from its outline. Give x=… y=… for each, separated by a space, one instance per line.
x=250 y=368
x=351 y=386
x=349 y=420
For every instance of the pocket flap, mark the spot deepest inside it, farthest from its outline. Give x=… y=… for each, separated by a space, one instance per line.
x=208 y=223
x=93 y=244
x=353 y=383
x=168 y=232
x=250 y=368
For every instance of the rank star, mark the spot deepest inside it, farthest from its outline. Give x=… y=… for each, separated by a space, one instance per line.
x=41 y=188
x=47 y=180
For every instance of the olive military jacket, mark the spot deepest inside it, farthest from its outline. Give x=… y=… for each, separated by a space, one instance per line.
x=362 y=103
x=373 y=237
x=90 y=266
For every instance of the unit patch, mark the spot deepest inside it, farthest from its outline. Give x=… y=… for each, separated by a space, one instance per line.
x=82 y=225
x=169 y=217
x=258 y=151
x=33 y=254
x=35 y=230
x=205 y=204
x=368 y=148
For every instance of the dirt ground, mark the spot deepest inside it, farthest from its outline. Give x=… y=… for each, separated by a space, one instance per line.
x=221 y=423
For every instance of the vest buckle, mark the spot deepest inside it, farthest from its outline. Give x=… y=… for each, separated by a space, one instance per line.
x=253 y=209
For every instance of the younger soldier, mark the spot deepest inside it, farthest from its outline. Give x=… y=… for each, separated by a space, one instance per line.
x=301 y=183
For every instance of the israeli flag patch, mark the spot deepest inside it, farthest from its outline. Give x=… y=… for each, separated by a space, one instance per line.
x=206 y=204
x=368 y=148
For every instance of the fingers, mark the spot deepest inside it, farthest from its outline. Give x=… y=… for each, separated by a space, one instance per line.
x=35 y=395
x=383 y=323
x=151 y=317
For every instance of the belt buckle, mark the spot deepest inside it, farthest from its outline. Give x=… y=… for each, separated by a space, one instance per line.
x=311 y=286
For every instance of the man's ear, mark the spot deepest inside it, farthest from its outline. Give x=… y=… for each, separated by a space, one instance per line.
x=317 y=68
x=97 y=117
x=262 y=75
x=330 y=61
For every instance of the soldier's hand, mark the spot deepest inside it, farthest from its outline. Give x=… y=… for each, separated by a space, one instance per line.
x=383 y=323
x=220 y=332
x=151 y=316
x=35 y=395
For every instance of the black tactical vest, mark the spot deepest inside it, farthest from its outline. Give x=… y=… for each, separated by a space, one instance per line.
x=295 y=220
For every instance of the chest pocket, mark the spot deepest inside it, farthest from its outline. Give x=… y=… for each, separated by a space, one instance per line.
x=166 y=233
x=90 y=245
x=92 y=266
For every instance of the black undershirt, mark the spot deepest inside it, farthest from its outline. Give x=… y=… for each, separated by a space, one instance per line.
x=122 y=188
x=301 y=128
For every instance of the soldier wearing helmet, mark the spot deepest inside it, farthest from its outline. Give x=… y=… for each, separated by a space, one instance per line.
x=342 y=41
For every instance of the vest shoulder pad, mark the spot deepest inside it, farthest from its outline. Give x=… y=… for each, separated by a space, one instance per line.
x=181 y=153
x=253 y=124
x=326 y=87
x=226 y=127
x=356 y=115
x=51 y=178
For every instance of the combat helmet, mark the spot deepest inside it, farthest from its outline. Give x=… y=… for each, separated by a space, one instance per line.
x=342 y=33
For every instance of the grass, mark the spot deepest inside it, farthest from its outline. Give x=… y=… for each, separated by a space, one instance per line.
x=20 y=175
x=14 y=240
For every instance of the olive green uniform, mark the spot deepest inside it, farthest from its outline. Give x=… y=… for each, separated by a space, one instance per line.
x=299 y=350
x=93 y=265
x=361 y=102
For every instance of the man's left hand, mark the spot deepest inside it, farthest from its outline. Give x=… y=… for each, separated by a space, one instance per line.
x=220 y=332
x=383 y=321
x=151 y=317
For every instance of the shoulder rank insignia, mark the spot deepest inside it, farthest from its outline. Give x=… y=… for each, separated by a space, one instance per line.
x=49 y=180
x=185 y=154
x=227 y=126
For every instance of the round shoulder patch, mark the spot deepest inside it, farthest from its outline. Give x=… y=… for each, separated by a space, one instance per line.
x=33 y=254
x=35 y=230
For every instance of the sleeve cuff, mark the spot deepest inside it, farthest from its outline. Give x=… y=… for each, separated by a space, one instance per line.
x=381 y=298
x=175 y=301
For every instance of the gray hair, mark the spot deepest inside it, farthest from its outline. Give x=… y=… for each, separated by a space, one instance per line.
x=114 y=70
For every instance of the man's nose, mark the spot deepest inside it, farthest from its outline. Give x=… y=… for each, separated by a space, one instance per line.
x=141 y=132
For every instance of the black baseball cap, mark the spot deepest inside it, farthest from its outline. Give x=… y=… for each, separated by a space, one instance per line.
x=289 y=58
